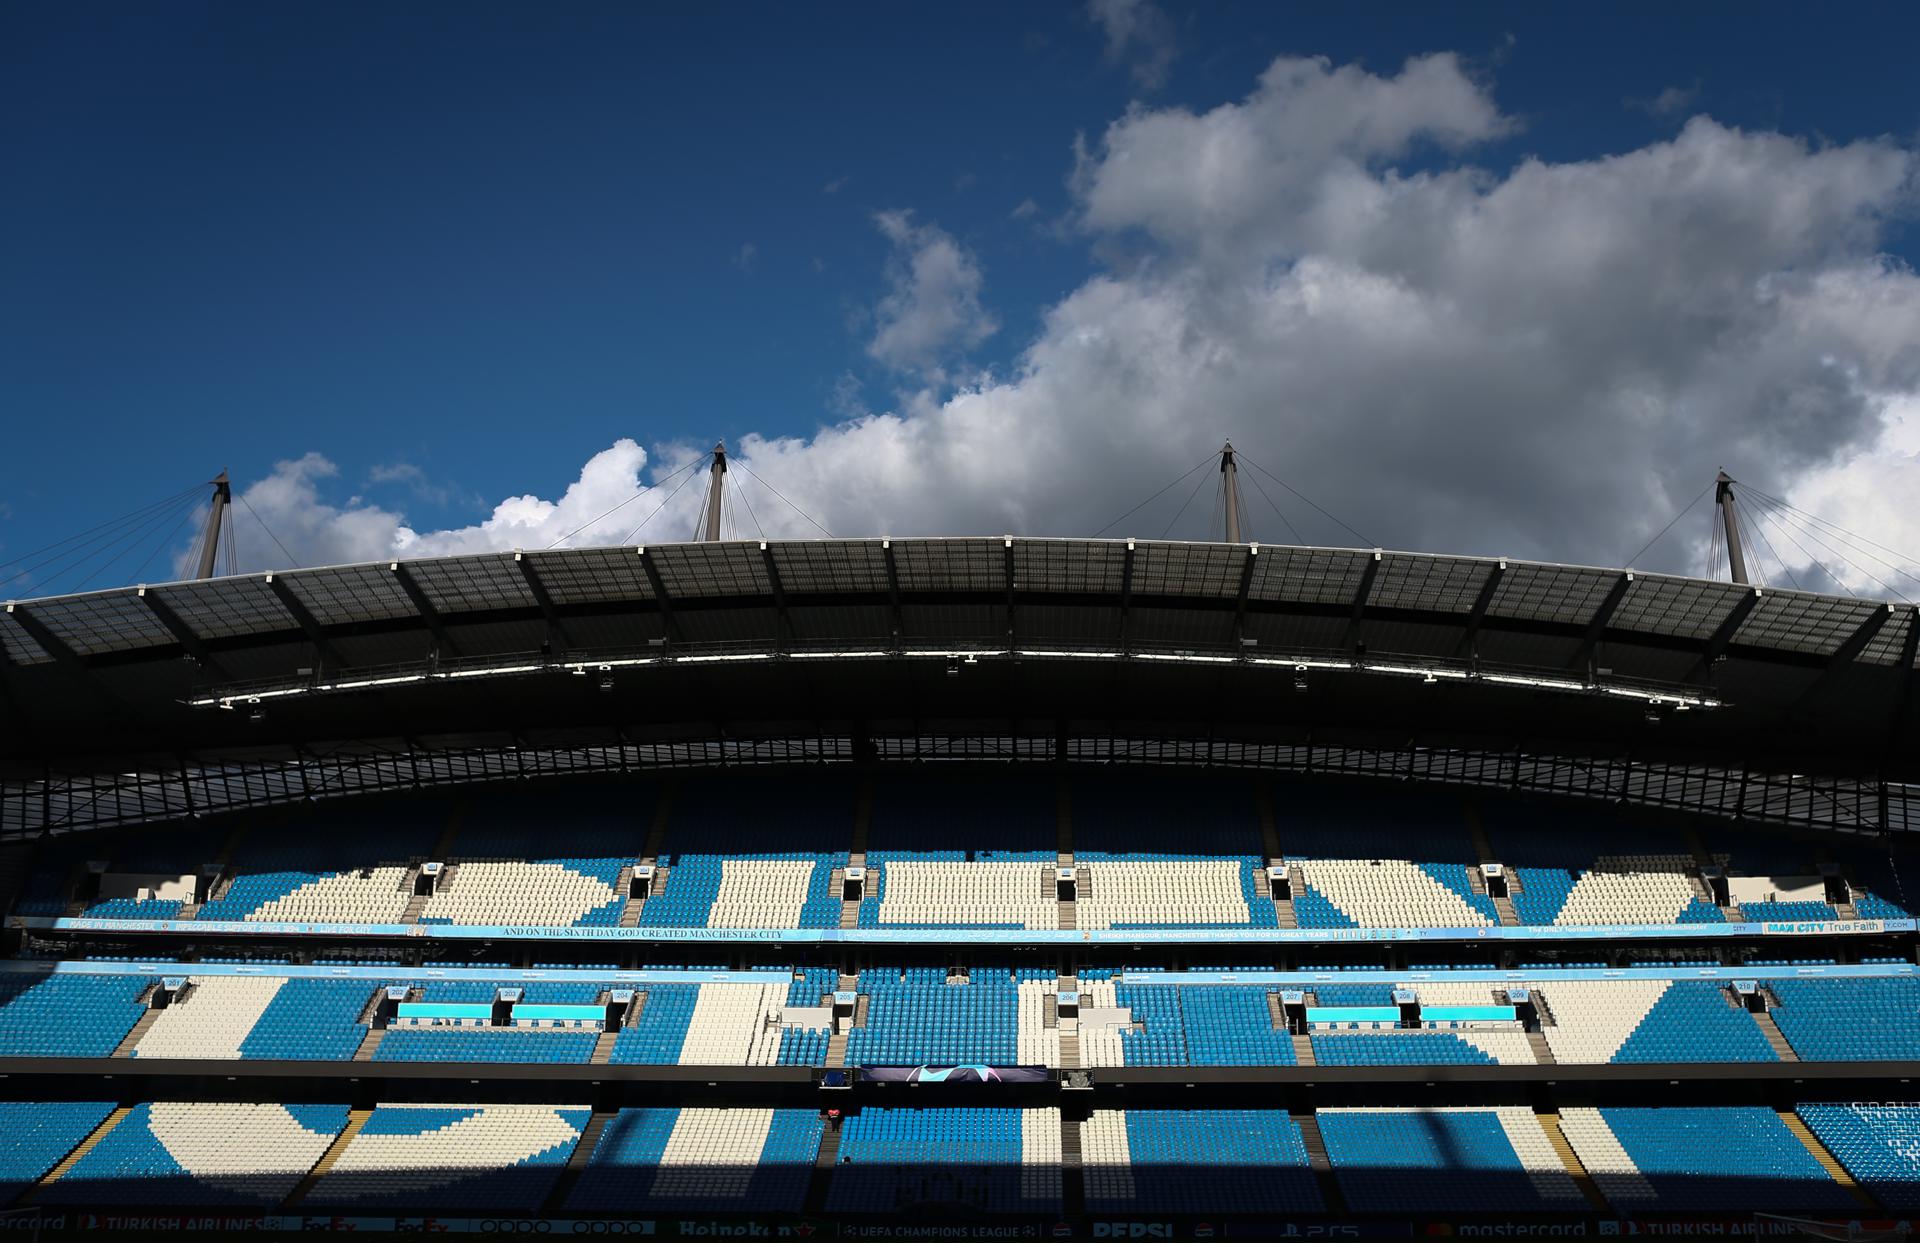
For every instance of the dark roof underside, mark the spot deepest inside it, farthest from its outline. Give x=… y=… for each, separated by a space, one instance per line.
x=1074 y=636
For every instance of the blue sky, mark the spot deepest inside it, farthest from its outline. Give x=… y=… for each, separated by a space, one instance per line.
x=458 y=251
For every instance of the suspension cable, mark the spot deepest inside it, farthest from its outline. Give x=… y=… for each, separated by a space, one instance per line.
x=783 y=496
x=690 y=464
x=631 y=535
x=1303 y=496
x=1183 y=509
x=269 y=530
x=1156 y=496
x=1670 y=525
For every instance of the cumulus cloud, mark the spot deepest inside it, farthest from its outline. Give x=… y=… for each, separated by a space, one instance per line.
x=604 y=505
x=1544 y=361
x=932 y=307
x=1670 y=102
x=1139 y=36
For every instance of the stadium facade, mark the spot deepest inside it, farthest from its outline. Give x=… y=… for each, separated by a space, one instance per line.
x=1002 y=887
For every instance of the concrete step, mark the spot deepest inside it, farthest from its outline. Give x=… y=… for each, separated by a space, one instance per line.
x=823 y=1163
x=837 y=1049
x=1070 y=1050
x=849 y=914
x=1073 y=1179
x=1557 y=1136
x=1069 y=917
x=1283 y=913
x=356 y=1120
x=80 y=1150
x=415 y=905
x=1303 y=1051
x=657 y=831
x=1482 y=848
x=603 y=1048
x=1828 y=1162
x=1269 y=833
x=369 y=1043
x=1776 y=1039
x=1336 y=1202
x=1503 y=906
x=147 y=1019
x=1542 y=1051
x=577 y=1163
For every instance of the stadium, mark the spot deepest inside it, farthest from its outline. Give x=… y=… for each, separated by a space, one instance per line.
x=978 y=887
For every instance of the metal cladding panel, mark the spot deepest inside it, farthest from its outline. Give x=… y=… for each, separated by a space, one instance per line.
x=696 y=571
x=104 y=621
x=1205 y=571
x=1308 y=575
x=267 y=660
x=1295 y=634
x=1429 y=584
x=224 y=608
x=1551 y=593
x=1684 y=607
x=1154 y=627
x=951 y=564
x=19 y=646
x=1657 y=664
x=849 y=625
x=504 y=638
x=592 y=575
x=758 y=626
x=1887 y=647
x=472 y=584
x=1079 y=566
x=1092 y=624
x=830 y=565
x=1532 y=651
x=1795 y=622
x=367 y=650
x=976 y=624
x=614 y=632
x=1411 y=638
x=344 y=594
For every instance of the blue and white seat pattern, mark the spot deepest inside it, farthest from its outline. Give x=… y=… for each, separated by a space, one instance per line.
x=478 y=1157
x=1734 y=1158
x=674 y=1160
x=184 y=1153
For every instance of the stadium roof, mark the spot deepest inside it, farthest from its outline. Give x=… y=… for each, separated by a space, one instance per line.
x=1164 y=637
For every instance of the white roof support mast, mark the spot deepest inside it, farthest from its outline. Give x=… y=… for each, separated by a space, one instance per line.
x=716 y=486
x=1736 y=552
x=1230 y=491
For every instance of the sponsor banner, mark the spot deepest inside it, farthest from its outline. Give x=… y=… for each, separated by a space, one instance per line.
x=979 y=936
x=955 y=1074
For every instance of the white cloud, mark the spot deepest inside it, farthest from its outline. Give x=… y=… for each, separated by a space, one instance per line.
x=1670 y=102
x=1546 y=361
x=745 y=257
x=289 y=504
x=1138 y=36
x=835 y=186
x=932 y=307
